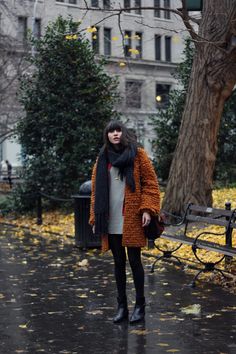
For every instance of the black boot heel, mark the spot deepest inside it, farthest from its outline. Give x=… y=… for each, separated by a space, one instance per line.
x=122 y=314
x=138 y=314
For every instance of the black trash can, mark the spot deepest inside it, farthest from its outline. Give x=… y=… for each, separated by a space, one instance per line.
x=84 y=237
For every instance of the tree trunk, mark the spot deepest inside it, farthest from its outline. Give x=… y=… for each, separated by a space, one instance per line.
x=211 y=83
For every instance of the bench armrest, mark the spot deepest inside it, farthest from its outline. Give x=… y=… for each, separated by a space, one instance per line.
x=176 y=220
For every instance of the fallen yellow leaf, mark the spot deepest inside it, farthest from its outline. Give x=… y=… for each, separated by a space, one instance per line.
x=24 y=325
x=194 y=309
x=83 y=263
x=163 y=344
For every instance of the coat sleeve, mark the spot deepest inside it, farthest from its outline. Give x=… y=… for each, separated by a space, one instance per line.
x=92 y=201
x=150 y=192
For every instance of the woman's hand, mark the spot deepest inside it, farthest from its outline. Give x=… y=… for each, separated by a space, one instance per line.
x=146 y=218
x=93 y=229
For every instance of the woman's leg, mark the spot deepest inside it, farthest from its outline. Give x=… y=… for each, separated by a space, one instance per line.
x=134 y=255
x=118 y=251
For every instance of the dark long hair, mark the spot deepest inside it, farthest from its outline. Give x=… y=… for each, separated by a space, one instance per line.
x=128 y=136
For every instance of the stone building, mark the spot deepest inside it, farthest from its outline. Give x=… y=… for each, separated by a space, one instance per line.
x=142 y=47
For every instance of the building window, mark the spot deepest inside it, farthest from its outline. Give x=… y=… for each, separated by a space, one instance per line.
x=133 y=91
x=107 y=41
x=157 y=13
x=37 y=28
x=95 y=41
x=72 y=1
x=139 y=45
x=167 y=6
x=157 y=47
x=162 y=95
x=168 y=48
x=138 y=4
x=106 y=4
x=127 y=43
x=59 y=0
x=94 y=3
x=22 y=28
x=127 y=5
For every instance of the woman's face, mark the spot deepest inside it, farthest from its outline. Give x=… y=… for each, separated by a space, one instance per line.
x=114 y=136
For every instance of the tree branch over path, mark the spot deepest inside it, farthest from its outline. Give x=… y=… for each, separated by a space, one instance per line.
x=181 y=12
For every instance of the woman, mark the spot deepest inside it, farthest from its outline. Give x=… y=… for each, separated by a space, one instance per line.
x=125 y=194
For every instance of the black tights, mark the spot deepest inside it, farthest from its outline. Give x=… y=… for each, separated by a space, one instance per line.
x=134 y=256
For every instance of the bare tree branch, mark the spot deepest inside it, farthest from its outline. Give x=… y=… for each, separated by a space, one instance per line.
x=182 y=13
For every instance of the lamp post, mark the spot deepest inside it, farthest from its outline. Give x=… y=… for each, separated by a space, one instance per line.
x=193 y=5
x=33 y=25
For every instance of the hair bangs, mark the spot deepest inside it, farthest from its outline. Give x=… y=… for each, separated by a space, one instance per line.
x=114 y=125
x=127 y=137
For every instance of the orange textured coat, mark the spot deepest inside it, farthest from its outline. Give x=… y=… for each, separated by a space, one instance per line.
x=145 y=198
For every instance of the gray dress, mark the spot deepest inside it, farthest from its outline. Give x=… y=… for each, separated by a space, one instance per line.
x=116 y=202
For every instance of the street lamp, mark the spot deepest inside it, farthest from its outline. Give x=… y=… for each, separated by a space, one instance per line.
x=33 y=25
x=193 y=5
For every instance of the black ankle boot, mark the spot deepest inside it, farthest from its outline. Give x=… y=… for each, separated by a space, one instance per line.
x=122 y=313
x=138 y=314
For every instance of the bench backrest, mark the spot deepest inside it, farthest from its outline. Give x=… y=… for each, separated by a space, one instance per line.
x=214 y=216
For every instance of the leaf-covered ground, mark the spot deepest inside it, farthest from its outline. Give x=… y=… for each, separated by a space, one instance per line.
x=58 y=224
x=54 y=300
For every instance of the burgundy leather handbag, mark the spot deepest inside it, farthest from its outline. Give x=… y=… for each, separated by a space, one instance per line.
x=155 y=228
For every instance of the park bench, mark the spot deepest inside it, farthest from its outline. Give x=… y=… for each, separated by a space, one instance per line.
x=201 y=216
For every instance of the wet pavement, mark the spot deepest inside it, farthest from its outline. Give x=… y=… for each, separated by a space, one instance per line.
x=57 y=299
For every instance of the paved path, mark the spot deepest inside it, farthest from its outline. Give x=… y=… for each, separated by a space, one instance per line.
x=49 y=304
